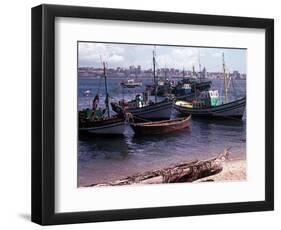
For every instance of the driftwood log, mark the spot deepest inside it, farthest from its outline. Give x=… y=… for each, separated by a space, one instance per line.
x=183 y=172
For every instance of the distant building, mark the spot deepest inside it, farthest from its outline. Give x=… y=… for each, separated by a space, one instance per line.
x=139 y=69
x=167 y=72
x=132 y=69
x=236 y=74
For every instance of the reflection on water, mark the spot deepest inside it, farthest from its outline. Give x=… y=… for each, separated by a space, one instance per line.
x=104 y=159
x=102 y=147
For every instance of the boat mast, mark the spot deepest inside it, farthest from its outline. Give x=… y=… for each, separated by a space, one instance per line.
x=193 y=71
x=154 y=76
x=200 y=73
x=106 y=93
x=224 y=80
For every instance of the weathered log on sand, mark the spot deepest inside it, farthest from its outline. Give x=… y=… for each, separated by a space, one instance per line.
x=184 y=172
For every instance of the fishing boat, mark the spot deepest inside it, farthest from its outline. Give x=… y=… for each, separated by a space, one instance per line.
x=163 y=87
x=100 y=121
x=113 y=125
x=131 y=83
x=183 y=90
x=161 y=127
x=142 y=107
x=87 y=92
x=234 y=109
x=196 y=84
x=208 y=104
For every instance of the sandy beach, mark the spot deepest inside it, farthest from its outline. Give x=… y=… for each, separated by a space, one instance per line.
x=233 y=170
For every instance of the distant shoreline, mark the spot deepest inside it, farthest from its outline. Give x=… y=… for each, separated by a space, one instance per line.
x=145 y=78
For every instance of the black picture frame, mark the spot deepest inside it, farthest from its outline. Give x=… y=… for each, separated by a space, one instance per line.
x=43 y=113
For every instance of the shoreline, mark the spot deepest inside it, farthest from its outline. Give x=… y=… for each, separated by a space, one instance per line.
x=233 y=170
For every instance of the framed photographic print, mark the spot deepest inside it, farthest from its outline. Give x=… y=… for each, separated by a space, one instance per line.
x=142 y=114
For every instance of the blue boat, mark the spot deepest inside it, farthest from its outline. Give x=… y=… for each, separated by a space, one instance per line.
x=143 y=108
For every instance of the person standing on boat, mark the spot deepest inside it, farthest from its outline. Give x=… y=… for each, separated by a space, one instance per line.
x=95 y=102
x=96 y=113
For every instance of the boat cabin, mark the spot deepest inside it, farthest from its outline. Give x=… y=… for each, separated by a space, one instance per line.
x=183 y=89
x=187 y=87
x=210 y=98
x=140 y=101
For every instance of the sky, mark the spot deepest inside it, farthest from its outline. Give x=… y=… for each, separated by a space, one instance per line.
x=125 y=55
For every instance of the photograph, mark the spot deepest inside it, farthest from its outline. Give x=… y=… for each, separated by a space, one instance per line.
x=142 y=113
x=157 y=114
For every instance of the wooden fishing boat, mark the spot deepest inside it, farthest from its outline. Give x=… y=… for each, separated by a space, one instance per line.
x=195 y=85
x=234 y=109
x=191 y=85
x=112 y=125
x=142 y=107
x=208 y=104
x=150 y=111
x=163 y=87
x=161 y=127
x=100 y=121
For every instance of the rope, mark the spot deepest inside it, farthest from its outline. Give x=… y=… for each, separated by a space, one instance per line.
x=234 y=86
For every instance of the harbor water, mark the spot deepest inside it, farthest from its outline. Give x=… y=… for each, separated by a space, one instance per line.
x=103 y=159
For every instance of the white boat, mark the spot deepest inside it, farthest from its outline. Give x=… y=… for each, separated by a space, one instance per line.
x=87 y=92
x=131 y=83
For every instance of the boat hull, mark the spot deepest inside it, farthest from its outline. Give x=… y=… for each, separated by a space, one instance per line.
x=157 y=111
x=110 y=127
x=162 y=127
x=233 y=109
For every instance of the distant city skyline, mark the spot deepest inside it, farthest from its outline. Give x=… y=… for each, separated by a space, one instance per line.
x=90 y=54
